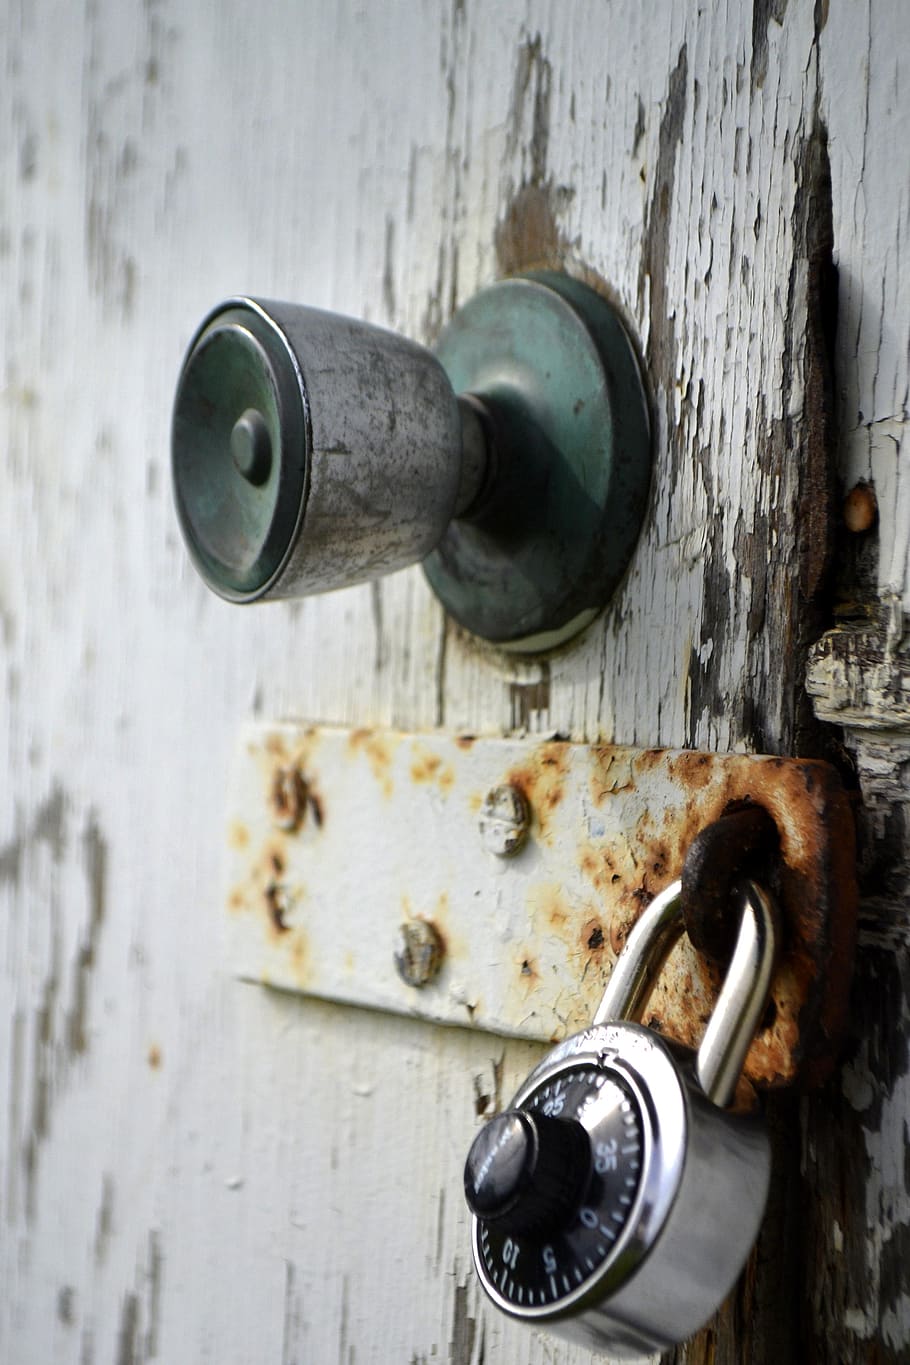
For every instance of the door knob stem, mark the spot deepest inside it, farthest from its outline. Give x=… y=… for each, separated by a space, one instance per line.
x=477 y=455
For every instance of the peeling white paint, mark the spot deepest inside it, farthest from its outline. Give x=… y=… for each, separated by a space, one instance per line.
x=858 y=1321
x=153 y=159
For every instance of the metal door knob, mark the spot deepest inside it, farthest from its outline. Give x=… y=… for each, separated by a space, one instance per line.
x=311 y=451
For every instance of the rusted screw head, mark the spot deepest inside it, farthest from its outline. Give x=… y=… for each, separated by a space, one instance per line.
x=419 y=953
x=504 y=820
x=288 y=798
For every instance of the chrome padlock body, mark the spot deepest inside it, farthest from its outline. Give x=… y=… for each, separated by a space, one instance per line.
x=695 y=1215
x=656 y=1233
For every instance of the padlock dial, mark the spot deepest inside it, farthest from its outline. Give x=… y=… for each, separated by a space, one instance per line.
x=525 y=1170
x=540 y=1265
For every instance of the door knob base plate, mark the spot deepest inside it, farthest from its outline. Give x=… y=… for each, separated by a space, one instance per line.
x=533 y=562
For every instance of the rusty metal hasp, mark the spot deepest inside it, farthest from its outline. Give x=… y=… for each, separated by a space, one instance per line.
x=491 y=883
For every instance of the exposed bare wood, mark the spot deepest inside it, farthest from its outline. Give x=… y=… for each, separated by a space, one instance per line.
x=859 y=674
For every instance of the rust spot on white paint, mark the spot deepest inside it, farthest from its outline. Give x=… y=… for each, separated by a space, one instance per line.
x=299 y=958
x=541 y=781
x=378 y=750
x=429 y=767
x=528 y=971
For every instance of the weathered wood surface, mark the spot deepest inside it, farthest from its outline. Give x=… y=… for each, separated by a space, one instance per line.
x=191 y=1169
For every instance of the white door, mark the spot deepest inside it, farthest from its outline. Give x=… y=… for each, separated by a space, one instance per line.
x=194 y=1169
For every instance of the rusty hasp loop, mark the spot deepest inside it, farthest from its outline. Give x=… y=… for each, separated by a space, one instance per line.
x=742 y=1000
x=743 y=843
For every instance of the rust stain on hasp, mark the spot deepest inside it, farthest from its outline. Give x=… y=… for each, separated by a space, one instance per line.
x=817 y=892
x=429 y=767
x=541 y=780
x=816 y=886
x=378 y=747
x=291 y=797
x=667 y=798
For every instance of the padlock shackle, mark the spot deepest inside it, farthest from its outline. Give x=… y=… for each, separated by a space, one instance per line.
x=742 y=1000
x=654 y=935
x=743 y=996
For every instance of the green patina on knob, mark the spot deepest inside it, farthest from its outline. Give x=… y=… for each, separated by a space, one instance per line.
x=556 y=374
x=239 y=451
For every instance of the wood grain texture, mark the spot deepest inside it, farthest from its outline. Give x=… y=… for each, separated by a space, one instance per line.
x=195 y=1170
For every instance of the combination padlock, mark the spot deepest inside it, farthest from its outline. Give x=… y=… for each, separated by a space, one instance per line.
x=616 y=1200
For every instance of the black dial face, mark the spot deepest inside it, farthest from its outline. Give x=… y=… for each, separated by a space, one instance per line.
x=539 y=1269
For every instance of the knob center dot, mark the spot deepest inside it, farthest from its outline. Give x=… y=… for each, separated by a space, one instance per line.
x=251 y=447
